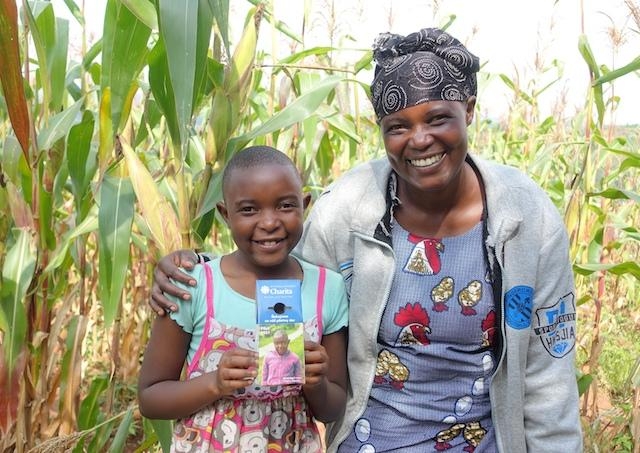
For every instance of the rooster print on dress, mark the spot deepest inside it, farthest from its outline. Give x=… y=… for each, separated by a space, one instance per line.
x=425 y=257
x=414 y=321
x=489 y=329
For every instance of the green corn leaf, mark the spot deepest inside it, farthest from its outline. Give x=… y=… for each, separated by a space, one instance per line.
x=179 y=29
x=241 y=66
x=617 y=73
x=303 y=107
x=631 y=268
x=205 y=21
x=616 y=194
x=124 y=51
x=162 y=90
x=58 y=64
x=587 y=54
x=114 y=220
x=17 y=273
x=164 y=431
x=91 y=54
x=220 y=10
x=59 y=126
x=81 y=162
x=88 y=225
x=120 y=438
x=105 y=146
x=10 y=75
x=41 y=22
x=75 y=11
x=90 y=409
x=144 y=11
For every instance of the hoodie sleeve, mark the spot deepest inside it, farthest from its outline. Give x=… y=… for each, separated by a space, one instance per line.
x=551 y=412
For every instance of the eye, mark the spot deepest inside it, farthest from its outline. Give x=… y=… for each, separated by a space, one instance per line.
x=247 y=209
x=288 y=205
x=394 y=128
x=438 y=119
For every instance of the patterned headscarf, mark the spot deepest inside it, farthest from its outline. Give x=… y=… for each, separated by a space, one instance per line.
x=428 y=65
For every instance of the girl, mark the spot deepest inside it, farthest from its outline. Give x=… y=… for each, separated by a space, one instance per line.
x=219 y=406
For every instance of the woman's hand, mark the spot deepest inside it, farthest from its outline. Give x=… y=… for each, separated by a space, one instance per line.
x=237 y=369
x=169 y=268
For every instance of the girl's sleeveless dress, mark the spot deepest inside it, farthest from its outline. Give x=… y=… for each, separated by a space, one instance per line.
x=256 y=419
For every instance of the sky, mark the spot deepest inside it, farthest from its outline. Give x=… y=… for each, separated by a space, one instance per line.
x=511 y=37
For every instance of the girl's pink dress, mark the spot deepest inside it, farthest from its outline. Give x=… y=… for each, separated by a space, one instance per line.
x=258 y=418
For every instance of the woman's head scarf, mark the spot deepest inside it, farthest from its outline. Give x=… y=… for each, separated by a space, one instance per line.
x=428 y=65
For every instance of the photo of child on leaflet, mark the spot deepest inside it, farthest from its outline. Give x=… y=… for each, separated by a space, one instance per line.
x=281 y=365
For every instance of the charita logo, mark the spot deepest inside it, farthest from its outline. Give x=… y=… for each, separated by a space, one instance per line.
x=265 y=289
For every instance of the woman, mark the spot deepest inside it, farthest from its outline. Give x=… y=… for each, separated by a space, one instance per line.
x=462 y=306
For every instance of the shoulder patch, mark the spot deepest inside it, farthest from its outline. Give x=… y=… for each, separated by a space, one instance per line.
x=518 y=303
x=556 y=326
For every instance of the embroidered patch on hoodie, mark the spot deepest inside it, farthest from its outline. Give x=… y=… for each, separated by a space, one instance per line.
x=556 y=326
x=518 y=302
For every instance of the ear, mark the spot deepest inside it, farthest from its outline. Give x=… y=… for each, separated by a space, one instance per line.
x=306 y=199
x=222 y=209
x=471 y=108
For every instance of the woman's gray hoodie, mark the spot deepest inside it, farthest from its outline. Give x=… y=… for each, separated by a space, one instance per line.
x=534 y=396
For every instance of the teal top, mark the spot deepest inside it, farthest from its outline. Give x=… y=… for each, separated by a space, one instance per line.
x=234 y=309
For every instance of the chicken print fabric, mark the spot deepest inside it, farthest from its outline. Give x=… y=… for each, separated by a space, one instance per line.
x=435 y=351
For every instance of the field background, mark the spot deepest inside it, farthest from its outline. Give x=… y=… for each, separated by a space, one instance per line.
x=112 y=139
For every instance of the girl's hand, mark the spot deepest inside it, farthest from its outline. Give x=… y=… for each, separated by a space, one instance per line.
x=316 y=363
x=237 y=369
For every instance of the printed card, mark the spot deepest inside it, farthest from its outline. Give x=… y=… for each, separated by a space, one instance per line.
x=280 y=332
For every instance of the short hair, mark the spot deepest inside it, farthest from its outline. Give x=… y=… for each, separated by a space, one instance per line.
x=256 y=156
x=280 y=333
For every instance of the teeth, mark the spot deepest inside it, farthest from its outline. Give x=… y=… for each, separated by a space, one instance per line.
x=426 y=162
x=268 y=243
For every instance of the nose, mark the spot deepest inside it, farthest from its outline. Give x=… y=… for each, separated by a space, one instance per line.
x=269 y=220
x=421 y=136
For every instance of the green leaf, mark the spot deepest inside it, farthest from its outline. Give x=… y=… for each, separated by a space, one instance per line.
x=90 y=406
x=58 y=64
x=616 y=194
x=628 y=268
x=144 y=11
x=161 y=87
x=11 y=76
x=164 y=430
x=124 y=51
x=41 y=20
x=75 y=11
x=114 y=220
x=205 y=21
x=179 y=29
x=81 y=162
x=88 y=225
x=17 y=273
x=617 y=73
x=587 y=54
x=220 y=10
x=59 y=126
x=298 y=110
x=120 y=438
x=313 y=51
x=364 y=62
